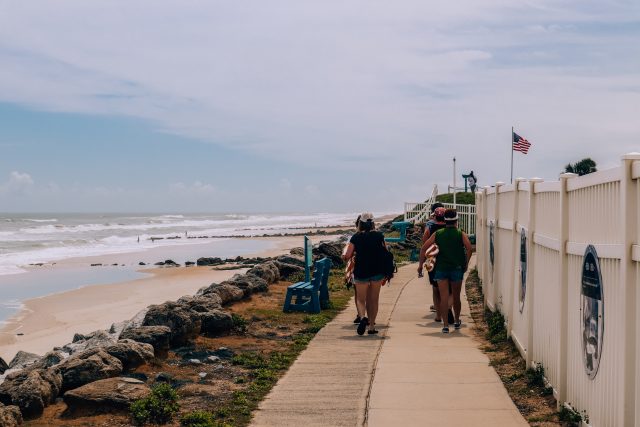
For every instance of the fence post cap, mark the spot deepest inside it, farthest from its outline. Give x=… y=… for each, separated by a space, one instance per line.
x=536 y=179
x=520 y=179
x=499 y=183
x=568 y=175
x=631 y=156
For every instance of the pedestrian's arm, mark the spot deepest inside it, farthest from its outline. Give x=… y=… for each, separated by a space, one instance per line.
x=348 y=252
x=426 y=234
x=467 y=247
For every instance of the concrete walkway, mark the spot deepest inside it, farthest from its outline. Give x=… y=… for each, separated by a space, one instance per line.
x=409 y=375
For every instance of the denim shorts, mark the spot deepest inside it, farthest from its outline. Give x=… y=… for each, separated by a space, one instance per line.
x=451 y=275
x=375 y=278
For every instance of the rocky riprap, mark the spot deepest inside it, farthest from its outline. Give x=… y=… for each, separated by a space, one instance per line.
x=88 y=372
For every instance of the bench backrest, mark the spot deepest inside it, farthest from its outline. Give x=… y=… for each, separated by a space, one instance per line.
x=318 y=273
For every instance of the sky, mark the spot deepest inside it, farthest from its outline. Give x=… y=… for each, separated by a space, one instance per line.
x=300 y=106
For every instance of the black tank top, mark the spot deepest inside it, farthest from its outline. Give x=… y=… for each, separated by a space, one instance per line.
x=368 y=247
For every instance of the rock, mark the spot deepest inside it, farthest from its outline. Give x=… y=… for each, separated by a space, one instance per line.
x=95 y=339
x=267 y=271
x=331 y=250
x=131 y=353
x=31 y=390
x=224 y=353
x=22 y=359
x=210 y=261
x=10 y=416
x=3 y=366
x=171 y=263
x=159 y=263
x=202 y=375
x=287 y=270
x=142 y=263
x=50 y=359
x=215 y=322
x=164 y=378
x=227 y=293
x=189 y=263
x=212 y=359
x=202 y=303
x=86 y=367
x=290 y=259
x=116 y=328
x=157 y=336
x=297 y=251
x=138 y=376
x=108 y=395
x=184 y=326
x=248 y=283
x=195 y=362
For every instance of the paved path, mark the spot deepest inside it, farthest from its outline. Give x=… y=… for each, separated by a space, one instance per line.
x=410 y=375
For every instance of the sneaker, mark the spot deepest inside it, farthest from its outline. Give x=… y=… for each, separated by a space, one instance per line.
x=450 y=317
x=432 y=308
x=445 y=330
x=357 y=320
x=457 y=324
x=362 y=325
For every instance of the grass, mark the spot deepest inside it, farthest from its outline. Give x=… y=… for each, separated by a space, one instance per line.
x=461 y=198
x=158 y=408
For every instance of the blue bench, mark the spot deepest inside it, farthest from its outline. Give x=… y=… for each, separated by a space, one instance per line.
x=402 y=227
x=308 y=294
x=324 y=284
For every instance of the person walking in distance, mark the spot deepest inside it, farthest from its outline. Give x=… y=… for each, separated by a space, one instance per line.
x=348 y=275
x=431 y=227
x=367 y=246
x=451 y=263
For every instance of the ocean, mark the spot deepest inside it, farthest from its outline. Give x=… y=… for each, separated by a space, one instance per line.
x=31 y=239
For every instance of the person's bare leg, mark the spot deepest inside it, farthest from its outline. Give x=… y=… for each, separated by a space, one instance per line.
x=436 y=302
x=443 y=286
x=373 y=298
x=456 y=287
x=355 y=294
x=361 y=297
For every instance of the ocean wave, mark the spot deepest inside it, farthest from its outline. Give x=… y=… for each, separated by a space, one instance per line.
x=40 y=220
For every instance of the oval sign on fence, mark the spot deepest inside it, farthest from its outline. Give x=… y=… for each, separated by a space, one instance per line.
x=491 y=247
x=592 y=310
x=523 y=268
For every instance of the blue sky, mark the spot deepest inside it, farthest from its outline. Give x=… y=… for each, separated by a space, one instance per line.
x=185 y=106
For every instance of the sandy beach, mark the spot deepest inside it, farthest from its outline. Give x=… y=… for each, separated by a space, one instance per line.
x=52 y=320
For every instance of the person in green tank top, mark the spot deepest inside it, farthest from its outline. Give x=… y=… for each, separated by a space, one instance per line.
x=451 y=263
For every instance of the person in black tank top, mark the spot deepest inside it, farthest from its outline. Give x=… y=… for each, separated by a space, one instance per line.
x=431 y=227
x=367 y=247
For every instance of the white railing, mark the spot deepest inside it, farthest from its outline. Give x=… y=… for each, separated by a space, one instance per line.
x=419 y=211
x=561 y=261
x=466 y=216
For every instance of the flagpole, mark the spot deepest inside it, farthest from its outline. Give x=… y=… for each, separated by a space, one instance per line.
x=511 y=154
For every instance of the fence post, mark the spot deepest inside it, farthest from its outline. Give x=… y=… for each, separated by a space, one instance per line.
x=514 y=250
x=564 y=288
x=496 y=259
x=629 y=230
x=531 y=259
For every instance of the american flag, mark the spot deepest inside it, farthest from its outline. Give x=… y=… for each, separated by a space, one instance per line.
x=520 y=144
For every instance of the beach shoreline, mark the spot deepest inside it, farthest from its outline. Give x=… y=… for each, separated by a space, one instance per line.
x=52 y=320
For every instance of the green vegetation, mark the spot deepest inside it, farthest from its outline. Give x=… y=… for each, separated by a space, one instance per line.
x=583 y=167
x=158 y=408
x=496 y=332
x=200 y=419
x=240 y=324
x=461 y=198
x=570 y=416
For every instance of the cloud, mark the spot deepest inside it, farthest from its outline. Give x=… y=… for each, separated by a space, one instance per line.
x=19 y=183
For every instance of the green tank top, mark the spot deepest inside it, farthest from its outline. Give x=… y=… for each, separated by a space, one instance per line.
x=451 y=255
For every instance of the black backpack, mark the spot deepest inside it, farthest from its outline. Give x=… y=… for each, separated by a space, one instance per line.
x=388 y=264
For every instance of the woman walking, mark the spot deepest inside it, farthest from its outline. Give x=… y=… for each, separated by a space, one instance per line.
x=367 y=245
x=451 y=263
x=348 y=275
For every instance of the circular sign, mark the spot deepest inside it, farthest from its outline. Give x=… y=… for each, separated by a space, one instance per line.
x=523 y=268
x=592 y=310
x=491 y=247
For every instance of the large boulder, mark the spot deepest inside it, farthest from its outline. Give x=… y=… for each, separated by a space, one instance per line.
x=331 y=250
x=112 y=394
x=268 y=271
x=216 y=322
x=10 y=416
x=179 y=318
x=248 y=283
x=131 y=353
x=95 y=339
x=209 y=261
x=227 y=293
x=159 y=337
x=86 y=367
x=291 y=259
x=287 y=270
x=31 y=390
x=201 y=303
x=22 y=359
x=3 y=366
x=50 y=359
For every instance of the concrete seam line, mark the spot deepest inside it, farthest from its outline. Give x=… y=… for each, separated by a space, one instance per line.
x=365 y=421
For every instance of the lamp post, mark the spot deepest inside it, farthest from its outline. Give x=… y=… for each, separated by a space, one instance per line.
x=454 y=183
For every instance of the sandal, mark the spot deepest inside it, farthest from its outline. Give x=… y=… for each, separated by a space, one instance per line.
x=362 y=325
x=372 y=331
x=357 y=320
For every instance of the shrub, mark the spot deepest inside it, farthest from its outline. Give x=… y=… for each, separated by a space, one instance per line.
x=157 y=408
x=535 y=376
x=496 y=332
x=570 y=416
x=198 y=419
x=239 y=323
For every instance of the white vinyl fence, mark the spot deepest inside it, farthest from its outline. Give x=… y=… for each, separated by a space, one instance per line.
x=561 y=261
